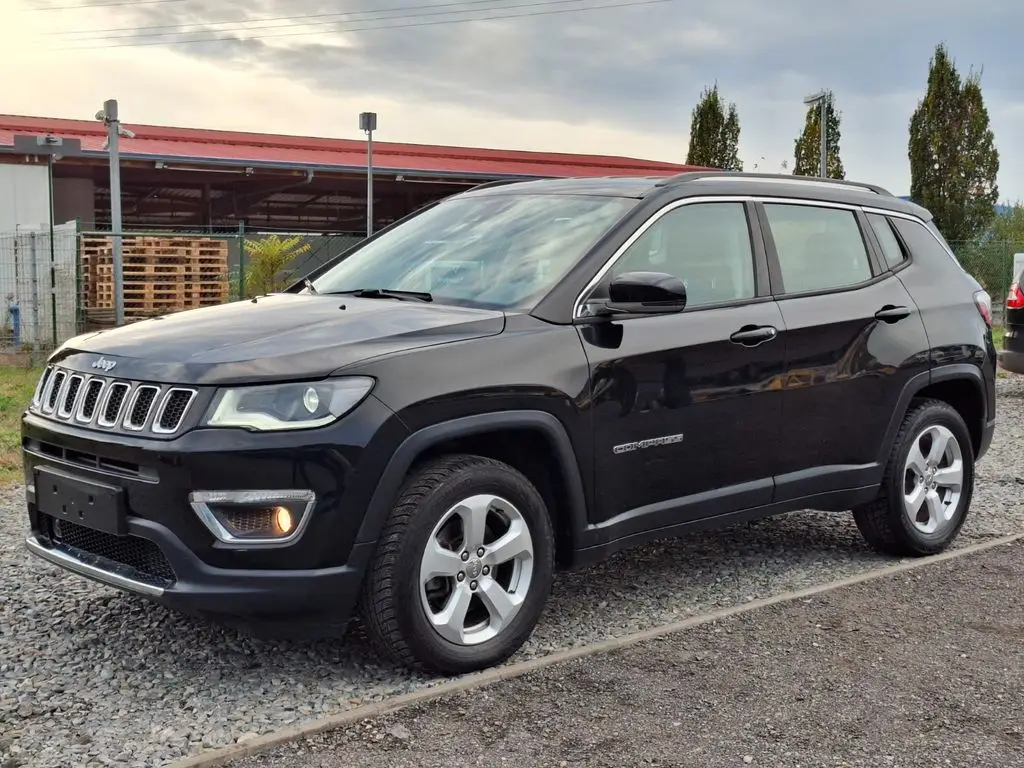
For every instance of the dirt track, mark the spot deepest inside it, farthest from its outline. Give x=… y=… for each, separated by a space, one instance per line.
x=925 y=668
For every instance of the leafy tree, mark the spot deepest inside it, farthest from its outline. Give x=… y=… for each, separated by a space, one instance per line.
x=714 y=133
x=808 y=144
x=953 y=158
x=269 y=258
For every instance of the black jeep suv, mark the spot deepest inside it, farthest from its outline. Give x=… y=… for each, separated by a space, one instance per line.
x=521 y=377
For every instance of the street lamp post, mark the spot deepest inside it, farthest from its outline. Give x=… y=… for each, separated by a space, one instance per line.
x=368 y=124
x=109 y=117
x=821 y=100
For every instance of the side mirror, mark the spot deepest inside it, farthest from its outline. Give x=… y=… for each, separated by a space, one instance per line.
x=643 y=293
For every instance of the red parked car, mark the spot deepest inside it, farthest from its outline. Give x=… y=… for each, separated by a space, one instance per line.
x=1011 y=356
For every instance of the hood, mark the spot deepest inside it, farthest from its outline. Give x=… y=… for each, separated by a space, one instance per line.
x=279 y=337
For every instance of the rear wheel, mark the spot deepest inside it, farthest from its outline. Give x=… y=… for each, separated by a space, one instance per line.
x=463 y=568
x=929 y=481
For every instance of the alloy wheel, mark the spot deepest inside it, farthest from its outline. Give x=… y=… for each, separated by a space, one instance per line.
x=933 y=479
x=476 y=569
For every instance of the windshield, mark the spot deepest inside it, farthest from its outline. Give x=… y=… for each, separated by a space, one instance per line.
x=496 y=251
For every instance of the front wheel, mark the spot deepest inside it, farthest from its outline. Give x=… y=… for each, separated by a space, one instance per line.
x=929 y=481
x=463 y=568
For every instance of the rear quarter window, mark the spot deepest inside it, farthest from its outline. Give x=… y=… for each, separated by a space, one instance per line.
x=892 y=248
x=924 y=241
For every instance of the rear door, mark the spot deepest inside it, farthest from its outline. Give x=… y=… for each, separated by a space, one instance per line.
x=853 y=338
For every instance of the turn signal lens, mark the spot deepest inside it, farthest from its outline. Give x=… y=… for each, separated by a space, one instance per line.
x=283 y=521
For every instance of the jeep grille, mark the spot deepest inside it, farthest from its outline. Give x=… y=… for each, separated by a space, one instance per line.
x=112 y=404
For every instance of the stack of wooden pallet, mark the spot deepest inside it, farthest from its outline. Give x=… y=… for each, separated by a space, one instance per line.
x=162 y=274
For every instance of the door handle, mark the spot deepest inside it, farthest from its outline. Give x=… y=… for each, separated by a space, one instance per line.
x=891 y=314
x=752 y=335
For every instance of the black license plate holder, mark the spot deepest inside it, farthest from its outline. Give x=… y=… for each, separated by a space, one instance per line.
x=83 y=502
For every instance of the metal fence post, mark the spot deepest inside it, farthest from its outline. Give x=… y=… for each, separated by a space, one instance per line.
x=37 y=324
x=53 y=265
x=241 y=260
x=79 y=304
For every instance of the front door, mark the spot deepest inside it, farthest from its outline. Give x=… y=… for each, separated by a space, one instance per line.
x=686 y=407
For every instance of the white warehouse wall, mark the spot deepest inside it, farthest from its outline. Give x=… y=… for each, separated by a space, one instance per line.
x=24 y=196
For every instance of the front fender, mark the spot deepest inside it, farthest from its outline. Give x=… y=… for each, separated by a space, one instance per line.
x=414 y=446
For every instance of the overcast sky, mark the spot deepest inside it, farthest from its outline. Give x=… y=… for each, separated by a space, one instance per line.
x=621 y=79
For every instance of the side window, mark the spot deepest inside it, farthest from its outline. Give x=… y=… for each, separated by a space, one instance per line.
x=891 y=247
x=706 y=245
x=819 y=248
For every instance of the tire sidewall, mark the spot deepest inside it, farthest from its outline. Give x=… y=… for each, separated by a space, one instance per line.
x=428 y=645
x=933 y=414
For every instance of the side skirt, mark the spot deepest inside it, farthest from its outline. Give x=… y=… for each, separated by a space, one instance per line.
x=831 y=501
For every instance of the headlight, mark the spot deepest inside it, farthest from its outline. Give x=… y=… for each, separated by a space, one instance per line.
x=287 y=406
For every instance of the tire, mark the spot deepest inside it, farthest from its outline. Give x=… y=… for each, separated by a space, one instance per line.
x=887 y=523
x=435 y=499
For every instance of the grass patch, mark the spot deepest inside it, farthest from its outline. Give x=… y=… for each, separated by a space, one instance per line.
x=998 y=332
x=16 y=388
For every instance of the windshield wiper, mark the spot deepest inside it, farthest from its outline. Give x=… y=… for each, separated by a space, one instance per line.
x=310 y=287
x=386 y=293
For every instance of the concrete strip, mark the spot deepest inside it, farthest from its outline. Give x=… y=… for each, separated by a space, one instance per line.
x=225 y=755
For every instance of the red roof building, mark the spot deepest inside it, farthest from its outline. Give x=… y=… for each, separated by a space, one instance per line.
x=188 y=177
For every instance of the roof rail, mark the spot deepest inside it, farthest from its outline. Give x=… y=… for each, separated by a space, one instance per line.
x=778 y=178
x=503 y=182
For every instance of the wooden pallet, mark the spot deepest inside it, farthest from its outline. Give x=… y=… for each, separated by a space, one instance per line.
x=161 y=273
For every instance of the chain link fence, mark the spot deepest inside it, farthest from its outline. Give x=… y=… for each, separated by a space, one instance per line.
x=992 y=264
x=303 y=252
x=38 y=278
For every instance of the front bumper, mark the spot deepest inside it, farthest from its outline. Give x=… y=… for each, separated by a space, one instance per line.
x=165 y=553
x=249 y=598
x=153 y=562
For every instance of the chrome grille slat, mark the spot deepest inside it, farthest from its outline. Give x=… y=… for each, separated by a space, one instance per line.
x=111 y=404
x=37 y=396
x=53 y=391
x=69 y=398
x=170 y=398
x=117 y=392
x=94 y=391
x=140 y=406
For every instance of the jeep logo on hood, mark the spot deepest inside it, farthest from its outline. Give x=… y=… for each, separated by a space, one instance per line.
x=104 y=365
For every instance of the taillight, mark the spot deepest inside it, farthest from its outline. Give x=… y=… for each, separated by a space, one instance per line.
x=1015 y=298
x=984 y=304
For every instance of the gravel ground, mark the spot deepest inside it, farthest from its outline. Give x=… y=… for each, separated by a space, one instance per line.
x=934 y=679
x=89 y=676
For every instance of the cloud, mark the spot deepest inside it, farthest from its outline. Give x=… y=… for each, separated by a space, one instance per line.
x=618 y=80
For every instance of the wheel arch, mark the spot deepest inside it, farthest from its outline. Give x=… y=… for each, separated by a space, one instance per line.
x=961 y=385
x=483 y=434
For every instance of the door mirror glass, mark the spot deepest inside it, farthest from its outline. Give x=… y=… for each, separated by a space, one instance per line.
x=645 y=293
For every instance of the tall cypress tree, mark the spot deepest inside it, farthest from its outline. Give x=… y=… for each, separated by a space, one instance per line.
x=953 y=158
x=808 y=144
x=714 y=133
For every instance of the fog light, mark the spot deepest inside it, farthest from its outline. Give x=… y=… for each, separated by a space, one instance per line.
x=283 y=523
x=254 y=518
